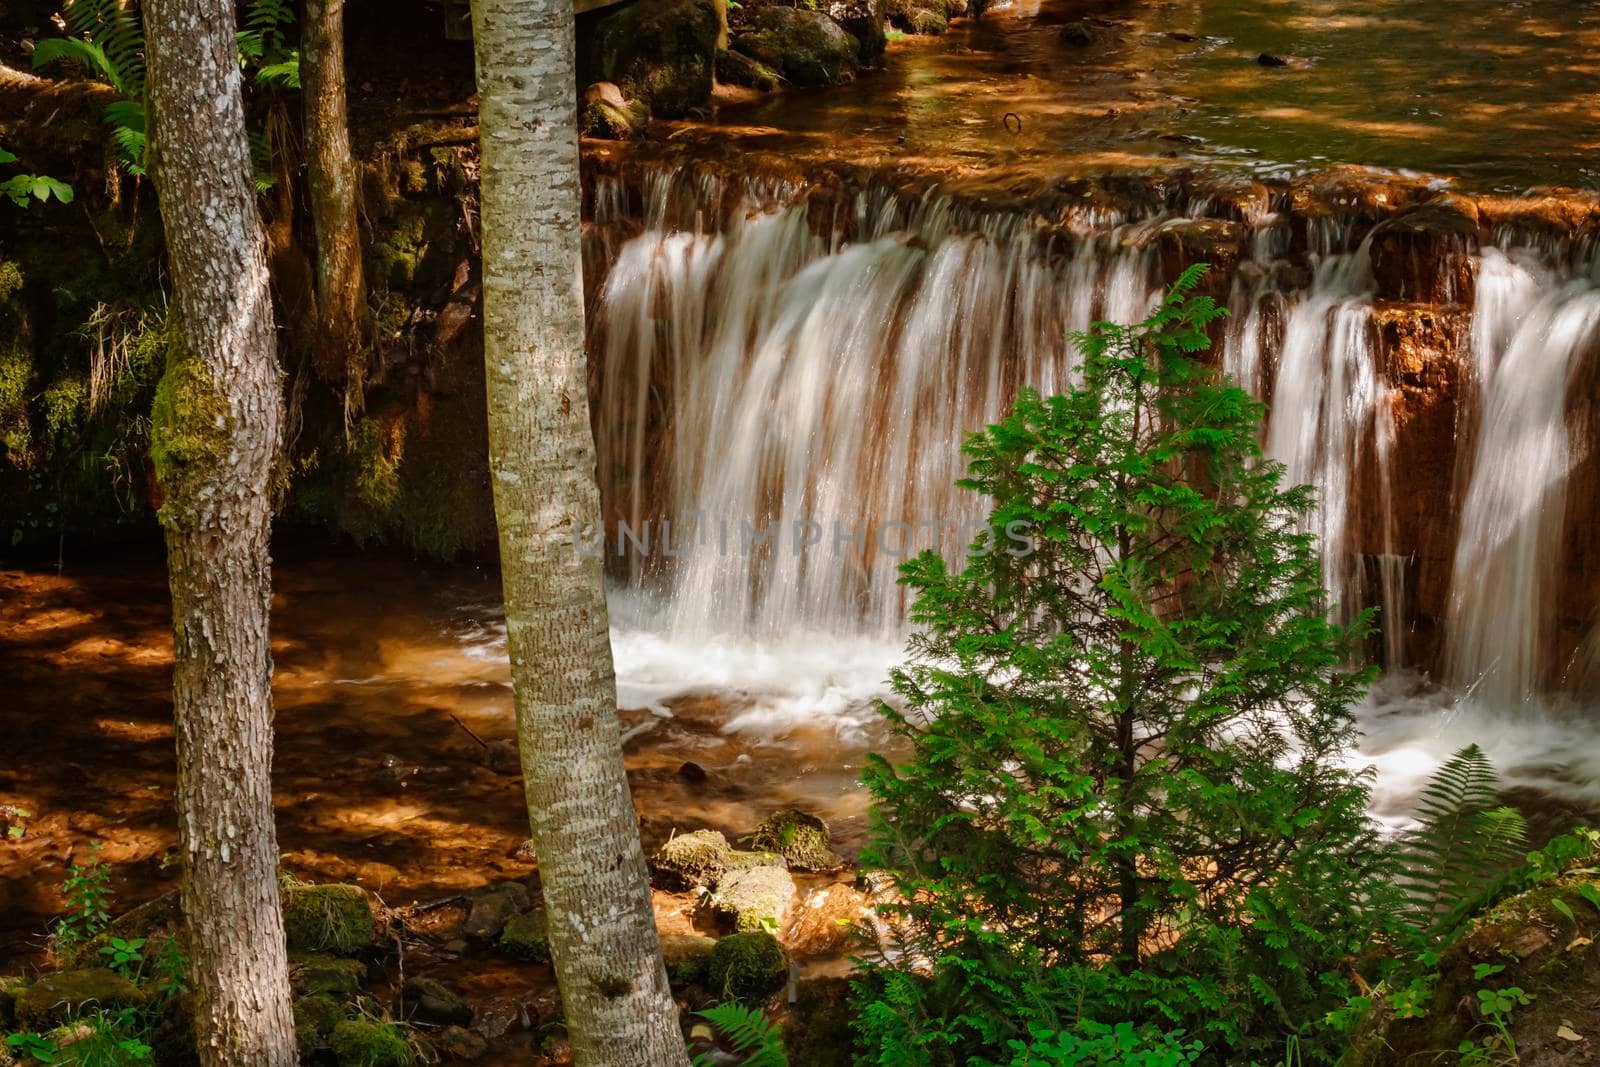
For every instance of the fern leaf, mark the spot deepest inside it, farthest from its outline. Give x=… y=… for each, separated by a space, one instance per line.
x=72 y=51
x=284 y=75
x=748 y=1031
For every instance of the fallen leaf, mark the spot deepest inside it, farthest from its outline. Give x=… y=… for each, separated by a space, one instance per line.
x=1567 y=1033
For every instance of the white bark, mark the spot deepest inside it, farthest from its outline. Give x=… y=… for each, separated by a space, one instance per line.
x=602 y=930
x=215 y=439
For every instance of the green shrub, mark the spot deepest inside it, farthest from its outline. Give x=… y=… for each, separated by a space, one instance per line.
x=1126 y=718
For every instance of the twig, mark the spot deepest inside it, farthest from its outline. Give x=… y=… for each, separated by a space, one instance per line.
x=468 y=730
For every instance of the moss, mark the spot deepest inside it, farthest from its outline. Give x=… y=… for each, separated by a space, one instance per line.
x=10 y=280
x=526 y=937
x=315 y=1017
x=327 y=918
x=687 y=957
x=330 y=975
x=369 y=1043
x=375 y=454
x=659 y=52
x=54 y=997
x=747 y=966
x=458 y=1043
x=11 y=986
x=16 y=376
x=698 y=859
x=736 y=68
x=66 y=407
x=755 y=898
x=820 y=1031
x=801 y=839
x=190 y=431
x=807 y=47
x=928 y=21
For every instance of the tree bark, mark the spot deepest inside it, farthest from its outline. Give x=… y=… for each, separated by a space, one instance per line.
x=331 y=176
x=603 y=936
x=215 y=437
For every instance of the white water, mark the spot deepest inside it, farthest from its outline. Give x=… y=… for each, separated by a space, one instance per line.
x=756 y=373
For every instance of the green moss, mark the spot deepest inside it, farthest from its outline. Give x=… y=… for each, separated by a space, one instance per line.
x=330 y=975
x=55 y=997
x=327 y=918
x=747 y=966
x=190 y=429
x=526 y=937
x=11 y=986
x=16 y=375
x=687 y=957
x=315 y=1017
x=10 y=280
x=66 y=407
x=820 y=1031
x=369 y=1043
x=375 y=457
x=801 y=839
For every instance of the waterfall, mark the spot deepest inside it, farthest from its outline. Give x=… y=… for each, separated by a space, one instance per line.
x=1531 y=326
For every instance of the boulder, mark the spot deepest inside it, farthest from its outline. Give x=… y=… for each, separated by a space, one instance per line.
x=687 y=957
x=608 y=114
x=697 y=860
x=327 y=918
x=492 y=907
x=747 y=966
x=456 y=1043
x=863 y=20
x=526 y=938
x=806 y=47
x=315 y=1017
x=736 y=68
x=1076 y=34
x=370 y=1043
x=658 y=52
x=1426 y=254
x=51 y=999
x=434 y=1002
x=332 y=976
x=755 y=898
x=800 y=838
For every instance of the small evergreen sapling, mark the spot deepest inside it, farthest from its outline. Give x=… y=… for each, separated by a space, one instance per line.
x=1126 y=796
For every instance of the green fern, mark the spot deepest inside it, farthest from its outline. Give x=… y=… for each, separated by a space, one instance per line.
x=266 y=41
x=108 y=43
x=749 y=1031
x=1465 y=848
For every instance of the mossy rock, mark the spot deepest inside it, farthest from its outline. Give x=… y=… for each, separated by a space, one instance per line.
x=163 y=913
x=687 y=957
x=54 y=997
x=755 y=898
x=819 y=1031
x=434 y=1002
x=320 y=974
x=492 y=907
x=747 y=966
x=11 y=986
x=697 y=860
x=315 y=1016
x=806 y=47
x=736 y=68
x=458 y=1044
x=369 y=1043
x=801 y=839
x=327 y=918
x=660 y=52
x=526 y=937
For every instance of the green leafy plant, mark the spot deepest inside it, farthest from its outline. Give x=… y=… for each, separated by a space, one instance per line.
x=123 y=956
x=1465 y=847
x=24 y=189
x=88 y=894
x=1126 y=719
x=15 y=821
x=107 y=41
x=750 y=1033
x=266 y=44
x=100 y=1039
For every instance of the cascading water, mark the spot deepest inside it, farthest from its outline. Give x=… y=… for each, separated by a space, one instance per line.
x=766 y=368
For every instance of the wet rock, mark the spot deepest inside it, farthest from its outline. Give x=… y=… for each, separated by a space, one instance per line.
x=692 y=772
x=501 y=756
x=863 y=20
x=928 y=17
x=1268 y=59
x=492 y=907
x=1216 y=242
x=315 y=1017
x=329 y=975
x=54 y=997
x=687 y=957
x=736 y=68
x=11 y=986
x=800 y=838
x=747 y=966
x=697 y=860
x=755 y=898
x=608 y=114
x=369 y=1043
x=526 y=937
x=457 y=1043
x=434 y=1002
x=327 y=918
x=659 y=52
x=826 y=920
x=1076 y=34
x=806 y=47
x=1426 y=254
x=819 y=1029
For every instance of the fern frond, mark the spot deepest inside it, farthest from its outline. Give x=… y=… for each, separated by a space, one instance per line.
x=114 y=28
x=72 y=51
x=1464 y=846
x=282 y=75
x=748 y=1031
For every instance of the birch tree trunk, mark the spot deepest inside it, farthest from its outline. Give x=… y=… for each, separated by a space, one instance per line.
x=603 y=936
x=216 y=426
x=331 y=176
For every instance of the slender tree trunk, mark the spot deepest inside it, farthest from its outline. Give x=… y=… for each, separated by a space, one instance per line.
x=602 y=930
x=216 y=431
x=331 y=175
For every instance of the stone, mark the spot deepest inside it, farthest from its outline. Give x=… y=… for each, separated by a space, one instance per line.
x=369 y=1043
x=754 y=898
x=327 y=918
x=691 y=771
x=458 y=1043
x=608 y=114
x=434 y=1002
x=736 y=68
x=526 y=937
x=800 y=838
x=315 y=1017
x=806 y=47
x=1076 y=34
x=687 y=956
x=318 y=974
x=826 y=920
x=697 y=860
x=492 y=907
x=658 y=52
x=747 y=966
x=54 y=997
x=1268 y=59
x=1425 y=254
x=863 y=20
